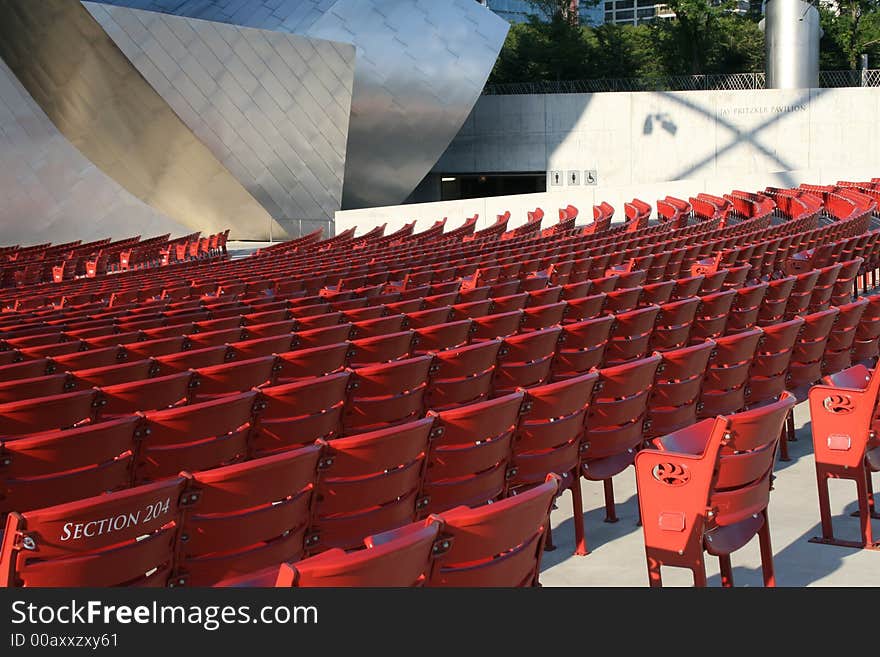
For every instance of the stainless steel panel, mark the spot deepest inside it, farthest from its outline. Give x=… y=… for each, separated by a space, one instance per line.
x=421 y=66
x=791 y=42
x=50 y=191
x=98 y=100
x=272 y=107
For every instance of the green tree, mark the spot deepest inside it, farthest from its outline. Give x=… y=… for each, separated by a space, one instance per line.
x=852 y=30
x=554 y=50
x=689 y=38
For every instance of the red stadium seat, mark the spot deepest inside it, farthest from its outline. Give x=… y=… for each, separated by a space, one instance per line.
x=441 y=337
x=842 y=412
x=397 y=558
x=674 y=324
x=369 y=483
x=706 y=488
x=44 y=413
x=123 y=538
x=675 y=395
x=471 y=449
x=230 y=378
x=147 y=395
x=630 y=335
x=246 y=517
x=55 y=467
x=549 y=440
x=463 y=375
x=615 y=424
x=196 y=437
x=307 y=363
x=297 y=414
x=724 y=387
x=495 y=545
x=582 y=347
x=524 y=360
x=381 y=349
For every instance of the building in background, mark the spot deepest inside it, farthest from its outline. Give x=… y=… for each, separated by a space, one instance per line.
x=519 y=11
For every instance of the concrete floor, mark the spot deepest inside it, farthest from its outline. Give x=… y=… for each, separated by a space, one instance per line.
x=238 y=249
x=617 y=556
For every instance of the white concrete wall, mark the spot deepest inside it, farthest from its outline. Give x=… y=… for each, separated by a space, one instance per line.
x=711 y=141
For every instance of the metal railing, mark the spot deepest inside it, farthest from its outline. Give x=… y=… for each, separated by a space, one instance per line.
x=731 y=81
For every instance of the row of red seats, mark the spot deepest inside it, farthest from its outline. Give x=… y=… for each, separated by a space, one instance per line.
x=667 y=323
x=194 y=530
x=141 y=293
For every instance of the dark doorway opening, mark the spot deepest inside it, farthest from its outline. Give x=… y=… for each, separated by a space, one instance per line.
x=454 y=187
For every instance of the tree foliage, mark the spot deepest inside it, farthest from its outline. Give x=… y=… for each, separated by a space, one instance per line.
x=850 y=31
x=704 y=37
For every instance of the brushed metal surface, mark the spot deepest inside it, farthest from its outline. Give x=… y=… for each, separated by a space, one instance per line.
x=421 y=65
x=273 y=107
x=791 y=41
x=104 y=107
x=50 y=191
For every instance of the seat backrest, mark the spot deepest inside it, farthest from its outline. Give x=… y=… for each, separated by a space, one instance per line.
x=582 y=346
x=673 y=324
x=235 y=377
x=296 y=414
x=586 y=307
x=676 y=390
x=148 y=395
x=441 y=337
x=54 y=467
x=246 y=516
x=117 y=539
x=741 y=487
x=630 y=334
x=462 y=375
x=54 y=412
x=381 y=349
x=471 y=448
x=197 y=437
x=41 y=386
x=524 y=360
x=499 y=325
x=397 y=558
x=620 y=401
x=498 y=544
x=136 y=370
x=322 y=337
x=307 y=363
x=369 y=483
x=388 y=394
x=549 y=434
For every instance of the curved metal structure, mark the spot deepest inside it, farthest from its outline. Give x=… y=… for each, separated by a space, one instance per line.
x=791 y=42
x=273 y=107
x=421 y=65
x=102 y=105
x=50 y=191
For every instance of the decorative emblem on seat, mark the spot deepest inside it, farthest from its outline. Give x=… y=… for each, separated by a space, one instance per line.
x=671 y=474
x=839 y=404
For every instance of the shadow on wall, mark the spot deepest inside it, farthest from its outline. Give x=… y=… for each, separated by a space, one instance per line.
x=735 y=135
